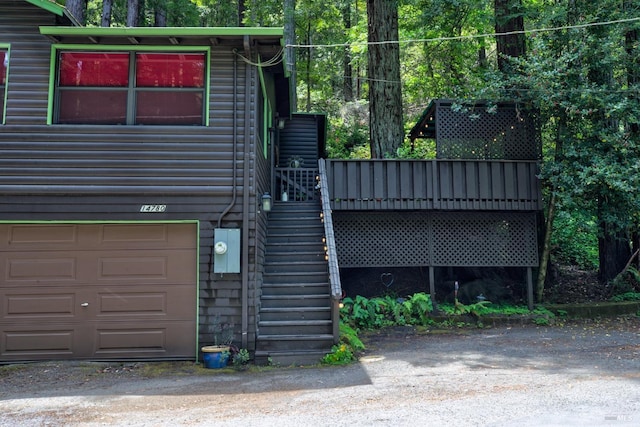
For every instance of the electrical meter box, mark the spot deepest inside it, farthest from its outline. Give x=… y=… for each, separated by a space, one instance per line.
x=226 y=250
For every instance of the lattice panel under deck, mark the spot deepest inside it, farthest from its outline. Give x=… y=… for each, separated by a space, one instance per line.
x=465 y=239
x=381 y=239
x=484 y=240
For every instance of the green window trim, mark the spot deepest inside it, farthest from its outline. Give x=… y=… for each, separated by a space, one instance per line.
x=56 y=48
x=267 y=114
x=3 y=87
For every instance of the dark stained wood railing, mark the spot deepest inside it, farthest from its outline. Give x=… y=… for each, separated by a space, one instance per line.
x=299 y=184
x=433 y=185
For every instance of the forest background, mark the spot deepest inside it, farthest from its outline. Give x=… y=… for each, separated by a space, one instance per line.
x=575 y=62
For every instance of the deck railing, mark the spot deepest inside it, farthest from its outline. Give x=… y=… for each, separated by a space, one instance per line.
x=296 y=184
x=433 y=185
x=330 y=244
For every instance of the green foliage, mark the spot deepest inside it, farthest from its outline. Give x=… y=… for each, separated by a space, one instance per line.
x=340 y=355
x=376 y=313
x=240 y=357
x=626 y=282
x=416 y=309
x=627 y=296
x=349 y=336
x=575 y=239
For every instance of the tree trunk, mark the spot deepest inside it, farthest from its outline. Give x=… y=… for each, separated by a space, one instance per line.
x=107 y=9
x=308 y=67
x=614 y=251
x=346 y=61
x=385 y=90
x=160 y=15
x=77 y=8
x=132 y=13
x=290 y=54
x=242 y=8
x=509 y=18
x=546 y=248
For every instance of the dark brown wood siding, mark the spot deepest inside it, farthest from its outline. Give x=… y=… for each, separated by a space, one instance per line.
x=299 y=138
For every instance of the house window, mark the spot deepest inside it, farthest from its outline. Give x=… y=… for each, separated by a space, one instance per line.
x=141 y=88
x=4 y=65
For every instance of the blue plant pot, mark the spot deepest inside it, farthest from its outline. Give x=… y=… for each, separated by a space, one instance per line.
x=215 y=357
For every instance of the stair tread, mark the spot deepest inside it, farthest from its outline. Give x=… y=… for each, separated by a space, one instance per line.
x=296 y=337
x=292 y=309
x=295 y=322
x=296 y=285
x=296 y=296
x=294 y=262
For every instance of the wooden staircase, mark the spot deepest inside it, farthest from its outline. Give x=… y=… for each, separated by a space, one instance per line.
x=295 y=325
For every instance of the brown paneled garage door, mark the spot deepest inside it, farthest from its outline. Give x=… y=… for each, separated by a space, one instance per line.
x=98 y=291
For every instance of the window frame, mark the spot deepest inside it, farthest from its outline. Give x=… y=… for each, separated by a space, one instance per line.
x=54 y=97
x=6 y=48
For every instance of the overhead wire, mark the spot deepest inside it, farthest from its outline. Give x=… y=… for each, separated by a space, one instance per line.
x=468 y=37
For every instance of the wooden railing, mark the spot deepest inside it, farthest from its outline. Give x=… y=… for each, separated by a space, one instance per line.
x=332 y=254
x=433 y=185
x=299 y=184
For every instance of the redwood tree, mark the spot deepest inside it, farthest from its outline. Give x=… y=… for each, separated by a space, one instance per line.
x=385 y=93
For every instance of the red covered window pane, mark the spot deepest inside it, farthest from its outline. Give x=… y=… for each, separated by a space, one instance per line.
x=169 y=107
x=98 y=69
x=170 y=70
x=4 y=63
x=86 y=106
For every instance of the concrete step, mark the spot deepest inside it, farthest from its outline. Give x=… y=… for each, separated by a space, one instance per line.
x=289 y=358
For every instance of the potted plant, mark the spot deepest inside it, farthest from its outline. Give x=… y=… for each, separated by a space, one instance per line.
x=217 y=355
x=296 y=162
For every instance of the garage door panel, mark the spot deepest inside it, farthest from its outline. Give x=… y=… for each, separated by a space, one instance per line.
x=37 y=305
x=38 y=342
x=157 y=340
x=177 y=266
x=35 y=267
x=143 y=302
x=146 y=235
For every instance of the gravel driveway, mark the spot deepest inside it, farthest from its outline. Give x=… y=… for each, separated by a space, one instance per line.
x=578 y=374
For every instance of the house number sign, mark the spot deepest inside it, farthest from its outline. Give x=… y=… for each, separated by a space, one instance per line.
x=153 y=208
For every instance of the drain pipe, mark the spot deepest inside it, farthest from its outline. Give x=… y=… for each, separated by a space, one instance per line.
x=246 y=196
x=235 y=145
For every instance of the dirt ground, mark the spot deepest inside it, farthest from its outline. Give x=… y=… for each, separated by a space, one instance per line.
x=582 y=373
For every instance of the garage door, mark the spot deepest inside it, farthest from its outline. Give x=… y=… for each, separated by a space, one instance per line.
x=98 y=291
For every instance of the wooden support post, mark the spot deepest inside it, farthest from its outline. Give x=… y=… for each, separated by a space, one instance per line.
x=530 y=287
x=432 y=287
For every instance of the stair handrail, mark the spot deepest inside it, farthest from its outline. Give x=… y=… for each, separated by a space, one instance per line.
x=330 y=243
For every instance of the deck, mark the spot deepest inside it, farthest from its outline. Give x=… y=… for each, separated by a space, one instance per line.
x=481 y=185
